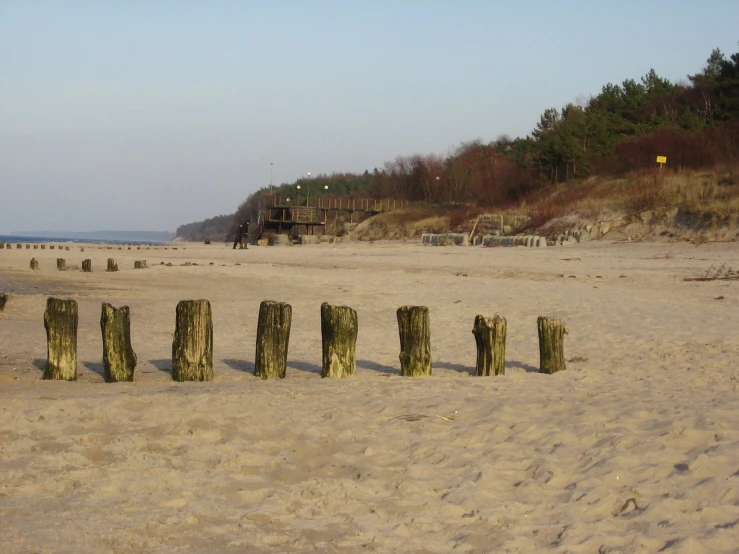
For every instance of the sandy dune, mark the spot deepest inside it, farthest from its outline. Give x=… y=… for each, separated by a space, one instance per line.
x=648 y=408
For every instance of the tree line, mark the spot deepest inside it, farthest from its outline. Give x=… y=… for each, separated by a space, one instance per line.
x=695 y=123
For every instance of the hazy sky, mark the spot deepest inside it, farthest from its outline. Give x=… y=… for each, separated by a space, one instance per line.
x=147 y=114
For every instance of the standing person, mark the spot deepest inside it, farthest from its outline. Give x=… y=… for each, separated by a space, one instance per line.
x=245 y=235
x=237 y=236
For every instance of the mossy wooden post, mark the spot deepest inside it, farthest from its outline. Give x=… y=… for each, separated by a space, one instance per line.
x=3 y=301
x=34 y=264
x=415 y=341
x=551 y=344
x=490 y=336
x=139 y=264
x=273 y=338
x=192 y=347
x=112 y=266
x=61 y=264
x=339 y=329
x=87 y=266
x=60 y=322
x=119 y=359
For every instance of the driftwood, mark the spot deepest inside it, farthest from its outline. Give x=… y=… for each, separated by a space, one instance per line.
x=87 y=266
x=192 y=347
x=551 y=344
x=112 y=265
x=273 y=339
x=415 y=341
x=119 y=359
x=61 y=264
x=34 y=263
x=339 y=327
x=490 y=336
x=60 y=322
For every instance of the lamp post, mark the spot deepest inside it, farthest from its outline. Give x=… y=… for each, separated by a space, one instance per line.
x=298 y=194
x=271 y=165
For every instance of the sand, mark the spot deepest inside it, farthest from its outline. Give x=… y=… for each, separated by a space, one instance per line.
x=647 y=409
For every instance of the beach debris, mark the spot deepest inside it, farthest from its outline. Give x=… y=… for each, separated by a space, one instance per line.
x=721 y=273
x=625 y=506
x=418 y=417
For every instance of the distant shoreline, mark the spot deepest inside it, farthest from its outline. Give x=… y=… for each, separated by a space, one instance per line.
x=13 y=239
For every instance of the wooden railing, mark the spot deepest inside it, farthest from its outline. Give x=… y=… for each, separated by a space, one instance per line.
x=338 y=204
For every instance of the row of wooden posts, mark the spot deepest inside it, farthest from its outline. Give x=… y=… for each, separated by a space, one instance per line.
x=61 y=264
x=192 y=346
x=35 y=246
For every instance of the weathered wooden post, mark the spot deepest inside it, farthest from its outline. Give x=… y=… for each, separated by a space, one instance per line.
x=112 y=266
x=490 y=335
x=51 y=247
x=87 y=266
x=3 y=301
x=415 y=341
x=43 y=247
x=18 y=246
x=192 y=347
x=28 y=246
x=339 y=329
x=551 y=344
x=61 y=264
x=66 y=248
x=34 y=263
x=119 y=359
x=139 y=264
x=273 y=338
x=35 y=246
x=60 y=322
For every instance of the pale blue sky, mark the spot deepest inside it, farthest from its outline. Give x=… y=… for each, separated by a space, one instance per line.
x=146 y=114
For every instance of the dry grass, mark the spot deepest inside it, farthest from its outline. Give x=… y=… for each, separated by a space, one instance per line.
x=713 y=192
x=406 y=223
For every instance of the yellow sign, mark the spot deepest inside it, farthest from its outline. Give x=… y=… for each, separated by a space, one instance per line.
x=661 y=159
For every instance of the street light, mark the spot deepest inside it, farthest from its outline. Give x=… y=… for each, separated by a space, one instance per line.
x=271 y=165
x=298 y=200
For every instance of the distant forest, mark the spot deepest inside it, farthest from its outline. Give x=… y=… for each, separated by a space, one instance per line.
x=695 y=124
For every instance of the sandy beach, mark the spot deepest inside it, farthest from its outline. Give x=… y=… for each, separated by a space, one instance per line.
x=634 y=448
